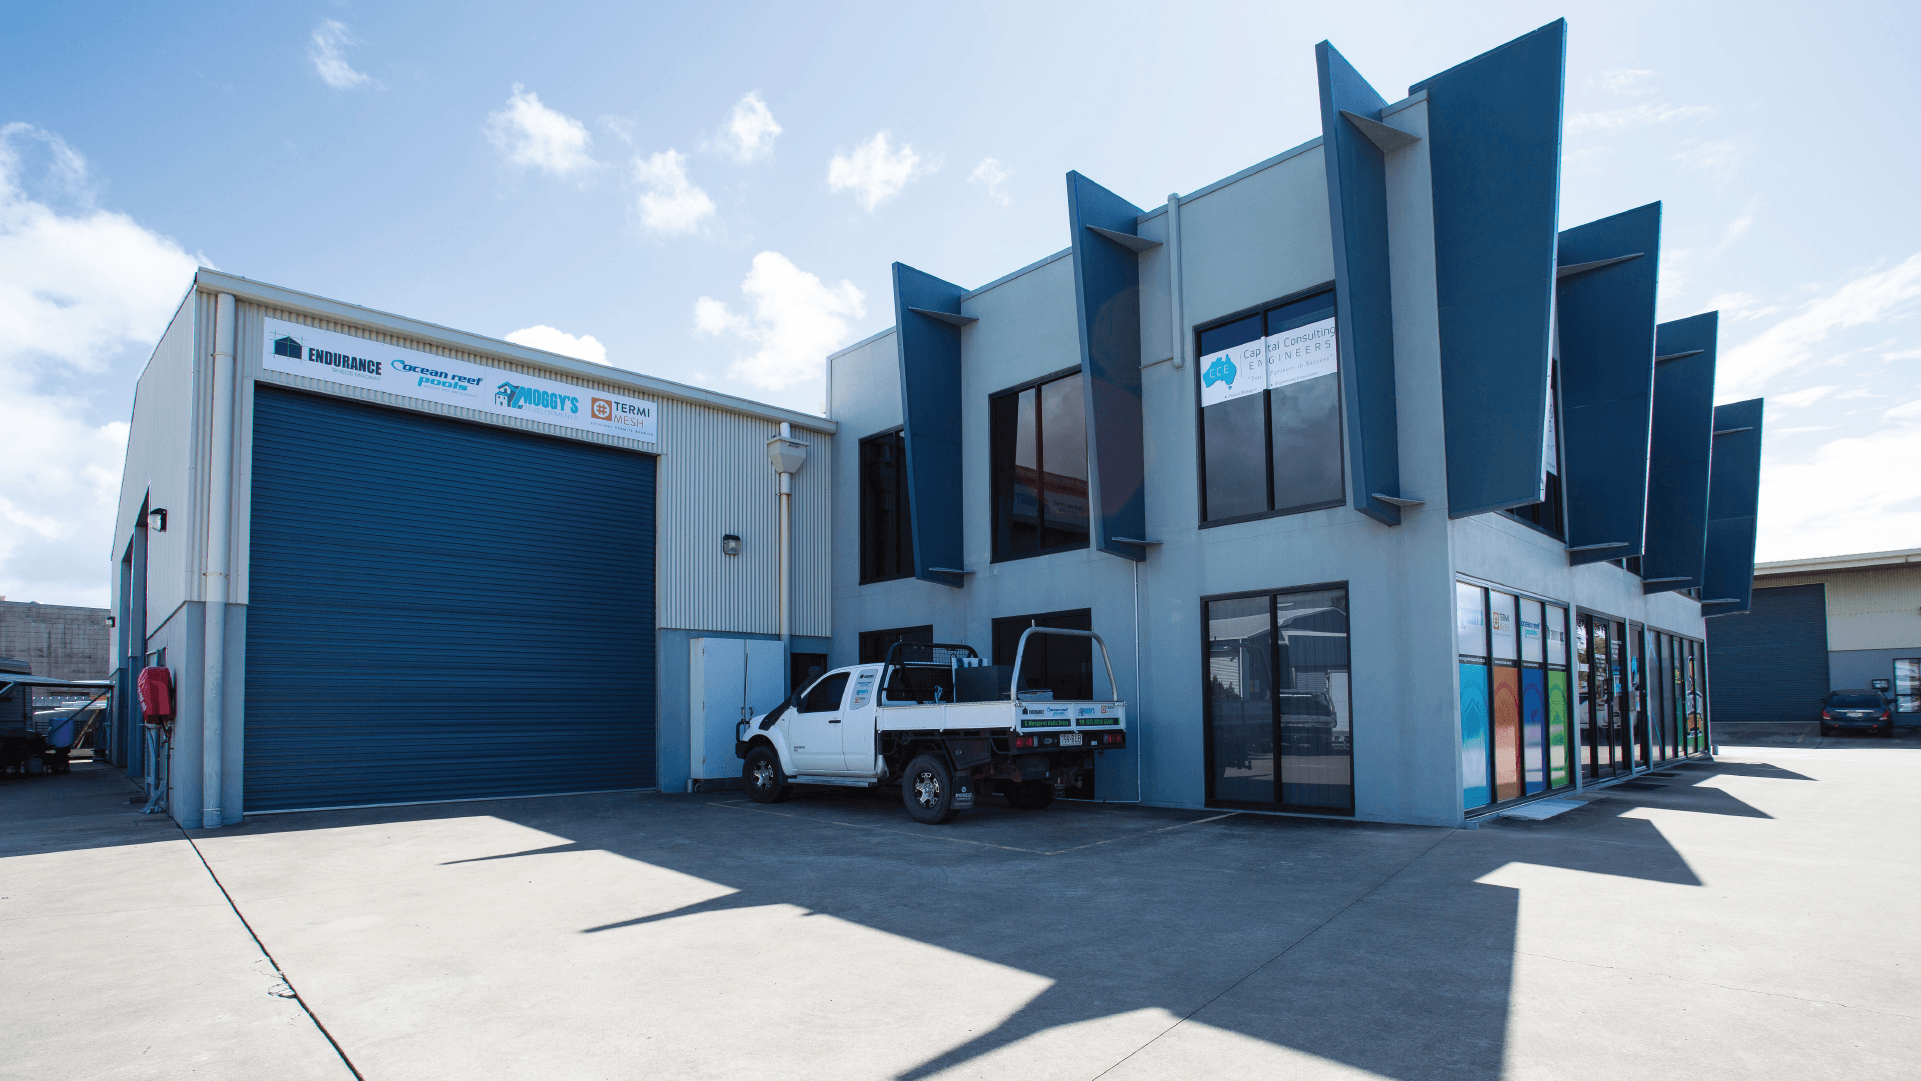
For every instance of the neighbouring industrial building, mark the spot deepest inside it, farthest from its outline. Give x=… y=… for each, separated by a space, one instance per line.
x=386 y=561
x=58 y=641
x=1830 y=623
x=1387 y=493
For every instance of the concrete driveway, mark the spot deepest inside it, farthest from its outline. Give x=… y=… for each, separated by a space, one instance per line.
x=1748 y=918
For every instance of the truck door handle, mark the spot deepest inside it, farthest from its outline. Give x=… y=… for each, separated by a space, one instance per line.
x=833 y=720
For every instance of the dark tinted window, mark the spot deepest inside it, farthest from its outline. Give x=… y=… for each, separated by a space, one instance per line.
x=1854 y=701
x=886 y=541
x=824 y=697
x=1271 y=412
x=1038 y=462
x=875 y=644
x=1547 y=513
x=1058 y=663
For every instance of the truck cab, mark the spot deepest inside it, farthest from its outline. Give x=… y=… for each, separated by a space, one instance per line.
x=936 y=720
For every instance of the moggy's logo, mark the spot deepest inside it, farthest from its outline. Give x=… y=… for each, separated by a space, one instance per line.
x=509 y=396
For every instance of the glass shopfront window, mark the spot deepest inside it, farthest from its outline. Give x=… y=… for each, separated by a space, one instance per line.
x=1513 y=666
x=1280 y=730
x=1270 y=412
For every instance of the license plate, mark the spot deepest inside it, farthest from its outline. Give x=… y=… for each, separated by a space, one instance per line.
x=1070 y=739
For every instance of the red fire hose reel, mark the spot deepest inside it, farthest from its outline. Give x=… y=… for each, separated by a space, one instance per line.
x=155 y=688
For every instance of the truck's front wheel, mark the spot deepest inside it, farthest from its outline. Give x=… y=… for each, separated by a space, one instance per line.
x=765 y=782
x=927 y=788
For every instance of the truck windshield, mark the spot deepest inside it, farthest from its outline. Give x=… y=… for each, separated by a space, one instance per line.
x=915 y=686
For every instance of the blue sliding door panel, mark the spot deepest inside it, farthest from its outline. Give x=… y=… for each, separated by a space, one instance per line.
x=1679 y=449
x=1606 y=316
x=930 y=409
x=1107 y=295
x=1533 y=731
x=1734 y=493
x=478 y=623
x=1363 y=300
x=1494 y=145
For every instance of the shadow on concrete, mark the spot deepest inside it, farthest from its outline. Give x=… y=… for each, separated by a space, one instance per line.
x=1371 y=945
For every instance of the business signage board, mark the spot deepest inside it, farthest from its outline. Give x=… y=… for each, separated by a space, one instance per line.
x=296 y=349
x=1269 y=364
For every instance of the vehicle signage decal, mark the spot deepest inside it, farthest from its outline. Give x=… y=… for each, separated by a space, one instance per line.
x=863 y=689
x=1045 y=722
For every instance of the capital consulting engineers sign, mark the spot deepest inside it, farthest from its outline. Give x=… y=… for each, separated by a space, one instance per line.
x=362 y=362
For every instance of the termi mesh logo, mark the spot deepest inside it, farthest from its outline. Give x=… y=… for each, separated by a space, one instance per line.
x=603 y=409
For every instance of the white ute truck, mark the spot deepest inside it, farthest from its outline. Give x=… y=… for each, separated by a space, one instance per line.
x=939 y=722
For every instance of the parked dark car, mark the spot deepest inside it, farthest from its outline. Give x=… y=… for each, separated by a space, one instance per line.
x=1856 y=708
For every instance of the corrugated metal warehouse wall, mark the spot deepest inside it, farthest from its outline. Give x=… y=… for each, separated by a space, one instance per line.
x=1771 y=664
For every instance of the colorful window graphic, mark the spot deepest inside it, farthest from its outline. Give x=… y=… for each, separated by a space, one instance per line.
x=1513 y=659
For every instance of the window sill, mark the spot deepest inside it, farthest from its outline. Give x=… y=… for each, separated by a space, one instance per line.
x=1266 y=514
x=1044 y=552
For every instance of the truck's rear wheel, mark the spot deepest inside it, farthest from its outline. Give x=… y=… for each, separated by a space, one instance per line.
x=927 y=788
x=1028 y=795
x=765 y=782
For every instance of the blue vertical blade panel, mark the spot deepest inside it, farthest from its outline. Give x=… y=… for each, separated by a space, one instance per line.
x=1494 y=146
x=1107 y=301
x=1363 y=298
x=930 y=407
x=1607 y=380
x=1734 y=494
x=1679 y=450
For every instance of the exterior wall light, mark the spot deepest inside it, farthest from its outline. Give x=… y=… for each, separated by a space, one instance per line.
x=157 y=519
x=730 y=545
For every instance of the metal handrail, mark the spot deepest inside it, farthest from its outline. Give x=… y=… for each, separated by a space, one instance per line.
x=1014 y=681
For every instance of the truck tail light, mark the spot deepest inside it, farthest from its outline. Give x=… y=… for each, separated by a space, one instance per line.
x=1024 y=741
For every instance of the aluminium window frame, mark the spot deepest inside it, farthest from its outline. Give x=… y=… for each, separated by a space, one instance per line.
x=995 y=555
x=1267 y=413
x=1207 y=708
x=898 y=431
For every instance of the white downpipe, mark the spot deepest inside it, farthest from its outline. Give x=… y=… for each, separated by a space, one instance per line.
x=786 y=454
x=1174 y=278
x=214 y=580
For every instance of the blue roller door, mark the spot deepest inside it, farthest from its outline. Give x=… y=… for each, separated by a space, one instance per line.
x=1771 y=664
x=443 y=610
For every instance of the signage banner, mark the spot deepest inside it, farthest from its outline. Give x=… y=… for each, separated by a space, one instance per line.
x=1233 y=373
x=1302 y=353
x=362 y=362
x=1270 y=364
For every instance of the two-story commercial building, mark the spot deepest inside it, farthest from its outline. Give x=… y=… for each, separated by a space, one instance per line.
x=1387 y=493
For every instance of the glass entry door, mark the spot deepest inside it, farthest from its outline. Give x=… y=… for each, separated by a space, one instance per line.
x=1279 y=728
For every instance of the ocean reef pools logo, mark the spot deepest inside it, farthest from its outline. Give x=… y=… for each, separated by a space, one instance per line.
x=1221 y=371
x=429 y=377
x=625 y=414
x=509 y=396
x=289 y=346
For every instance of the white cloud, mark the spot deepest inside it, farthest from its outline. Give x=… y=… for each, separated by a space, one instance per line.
x=1802 y=338
x=1719 y=158
x=1739 y=227
x=672 y=204
x=876 y=170
x=1626 y=81
x=1837 y=499
x=1609 y=121
x=992 y=174
x=1740 y=307
x=533 y=135
x=78 y=287
x=330 y=41
x=750 y=130
x=1910 y=411
x=1903 y=354
x=794 y=321
x=585 y=347
x=1801 y=398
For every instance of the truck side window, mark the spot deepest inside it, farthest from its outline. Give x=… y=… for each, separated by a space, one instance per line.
x=824 y=697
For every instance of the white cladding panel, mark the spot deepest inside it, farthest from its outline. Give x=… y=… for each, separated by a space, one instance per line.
x=165 y=445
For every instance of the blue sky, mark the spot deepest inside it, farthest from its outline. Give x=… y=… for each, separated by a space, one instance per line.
x=713 y=193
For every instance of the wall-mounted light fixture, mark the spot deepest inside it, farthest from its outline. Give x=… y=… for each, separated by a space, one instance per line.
x=110 y=621
x=729 y=545
x=157 y=519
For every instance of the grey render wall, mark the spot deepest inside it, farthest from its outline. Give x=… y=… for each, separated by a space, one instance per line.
x=59 y=641
x=1258 y=236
